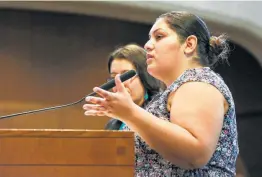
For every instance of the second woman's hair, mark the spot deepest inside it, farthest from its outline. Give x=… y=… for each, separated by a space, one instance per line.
x=137 y=56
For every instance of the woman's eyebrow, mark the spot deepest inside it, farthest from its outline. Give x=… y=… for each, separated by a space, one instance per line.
x=154 y=31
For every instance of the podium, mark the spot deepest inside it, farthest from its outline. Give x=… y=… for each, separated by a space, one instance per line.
x=66 y=153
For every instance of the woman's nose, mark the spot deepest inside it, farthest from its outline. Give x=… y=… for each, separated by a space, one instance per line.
x=126 y=83
x=149 y=45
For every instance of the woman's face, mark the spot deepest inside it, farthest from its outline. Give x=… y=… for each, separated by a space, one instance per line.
x=164 y=52
x=133 y=85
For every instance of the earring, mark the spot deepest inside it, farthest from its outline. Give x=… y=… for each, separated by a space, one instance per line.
x=146 y=96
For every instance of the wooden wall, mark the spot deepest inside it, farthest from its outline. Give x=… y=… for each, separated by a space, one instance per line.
x=48 y=59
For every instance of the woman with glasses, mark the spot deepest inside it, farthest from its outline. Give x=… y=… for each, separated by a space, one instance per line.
x=142 y=88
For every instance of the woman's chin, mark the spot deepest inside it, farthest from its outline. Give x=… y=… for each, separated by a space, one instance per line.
x=150 y=69
x=153 y=71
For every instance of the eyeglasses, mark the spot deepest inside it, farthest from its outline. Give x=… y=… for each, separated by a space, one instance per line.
x=113 y=77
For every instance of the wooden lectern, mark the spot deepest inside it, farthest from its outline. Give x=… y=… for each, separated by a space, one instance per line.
x=66 y=153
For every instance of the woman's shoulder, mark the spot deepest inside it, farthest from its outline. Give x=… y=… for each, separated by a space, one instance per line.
x=204 y=74
x=199 y=74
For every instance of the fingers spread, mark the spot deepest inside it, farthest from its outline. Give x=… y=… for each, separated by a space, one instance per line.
x=119 y=85
x=95 y=113
x=93 y=107
x=96 y=100
x=103 y=93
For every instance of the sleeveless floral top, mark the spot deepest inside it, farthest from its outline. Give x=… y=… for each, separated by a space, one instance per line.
x=222 y=164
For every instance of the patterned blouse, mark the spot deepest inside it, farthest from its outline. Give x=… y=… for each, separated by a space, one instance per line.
x=223 y=162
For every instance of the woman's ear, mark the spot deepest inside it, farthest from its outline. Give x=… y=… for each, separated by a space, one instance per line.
x=190 y=45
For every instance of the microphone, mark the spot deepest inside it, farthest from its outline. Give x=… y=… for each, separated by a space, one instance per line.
x=107 y=86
